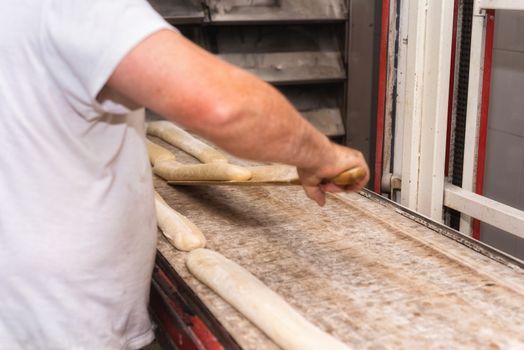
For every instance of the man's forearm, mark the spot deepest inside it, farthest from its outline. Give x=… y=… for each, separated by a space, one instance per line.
x=230 y=107
x=222 y=103
x=264 y=114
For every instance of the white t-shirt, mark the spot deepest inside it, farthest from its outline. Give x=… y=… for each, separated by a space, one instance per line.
x=77 y=226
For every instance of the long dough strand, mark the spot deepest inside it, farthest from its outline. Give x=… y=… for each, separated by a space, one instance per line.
x=172 y=171
x=273 y=172
x=179 y=230
x=265 y=308
x=180 y=138
x=158 y=153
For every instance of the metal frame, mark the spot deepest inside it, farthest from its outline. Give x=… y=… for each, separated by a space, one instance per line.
x=384 y=63
x=476 y=68
x=425 y=104
x=402 y=65
x=491 y=213
x=484 y=112
x=481 y=5
x=422 y=106
x=362 y=62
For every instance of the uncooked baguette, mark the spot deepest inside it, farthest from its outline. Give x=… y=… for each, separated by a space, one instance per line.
x=174 y=171
x=265 y=308
x=180 y=138
x=273 y=172
x=158 y=153
x=179 y=230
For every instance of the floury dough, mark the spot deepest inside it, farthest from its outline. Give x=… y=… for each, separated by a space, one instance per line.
x=174 y=171
x=179 y=230
x=273 y=172
x=165 y=165
x=180 y=138
x=258 y=303
x=158 y=153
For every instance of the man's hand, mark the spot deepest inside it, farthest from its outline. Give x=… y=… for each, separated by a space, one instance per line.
x=340 y=159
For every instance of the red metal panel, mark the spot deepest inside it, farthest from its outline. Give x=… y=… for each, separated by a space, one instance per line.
x=181 y=318
x=194 y=334
x=170 y=324
x=382 y=83
x=484 y=111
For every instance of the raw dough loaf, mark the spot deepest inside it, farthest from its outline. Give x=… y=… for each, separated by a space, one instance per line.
x=180 y=138
x=179 y=231
x=274 y=172
x=158 y=153
x=265 y=308
x=173 y=171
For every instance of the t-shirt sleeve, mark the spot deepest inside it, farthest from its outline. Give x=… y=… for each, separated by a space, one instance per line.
x=84 y=41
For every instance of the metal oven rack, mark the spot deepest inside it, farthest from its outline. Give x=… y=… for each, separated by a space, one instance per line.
x=299 y=46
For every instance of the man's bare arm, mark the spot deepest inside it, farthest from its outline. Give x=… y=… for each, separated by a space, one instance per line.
x=230 y=107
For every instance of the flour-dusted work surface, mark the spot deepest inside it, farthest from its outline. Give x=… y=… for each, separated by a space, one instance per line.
x=358 y=268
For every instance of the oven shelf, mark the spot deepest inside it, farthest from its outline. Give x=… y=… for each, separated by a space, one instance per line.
x=264 y=11
x=179 y=11
x=321 y=105
x=283 y=54
x=291 y=67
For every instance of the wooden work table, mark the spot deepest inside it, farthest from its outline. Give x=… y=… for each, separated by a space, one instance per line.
x=363 y=269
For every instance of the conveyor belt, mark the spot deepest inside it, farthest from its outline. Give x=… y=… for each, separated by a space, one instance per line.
x=360 y=268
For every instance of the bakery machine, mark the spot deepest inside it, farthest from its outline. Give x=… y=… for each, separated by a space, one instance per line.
x=364 y=269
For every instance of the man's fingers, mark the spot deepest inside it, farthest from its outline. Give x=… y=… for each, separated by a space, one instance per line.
x=316 y=194
x=345 y=159
x=348 y=188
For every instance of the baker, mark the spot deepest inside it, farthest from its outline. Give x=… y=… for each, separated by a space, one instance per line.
x=77 y=225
